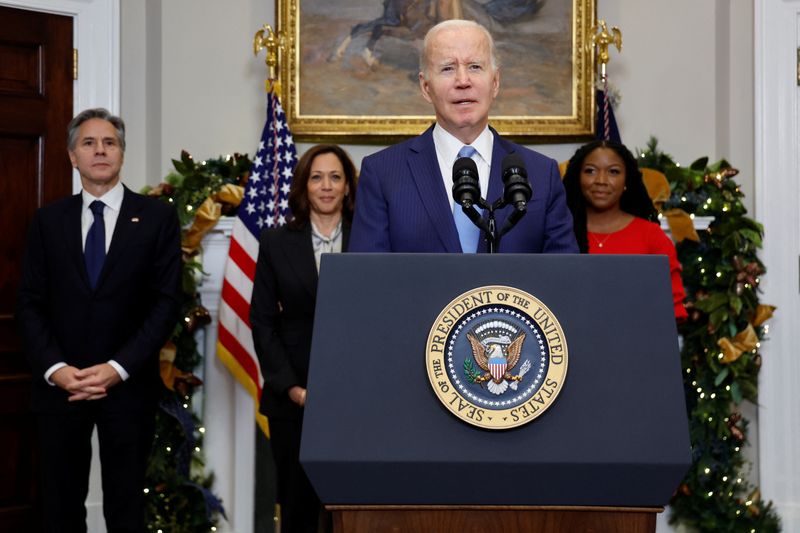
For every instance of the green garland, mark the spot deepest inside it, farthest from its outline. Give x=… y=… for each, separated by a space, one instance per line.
x=721 y=274
x=178 y=491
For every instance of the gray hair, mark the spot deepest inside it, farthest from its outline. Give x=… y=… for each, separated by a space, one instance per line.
x=97 y=112
x=455 y=24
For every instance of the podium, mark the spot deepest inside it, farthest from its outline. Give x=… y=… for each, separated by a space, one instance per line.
x=384 y=454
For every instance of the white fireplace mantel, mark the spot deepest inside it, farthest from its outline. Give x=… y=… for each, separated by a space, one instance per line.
x=227 y=410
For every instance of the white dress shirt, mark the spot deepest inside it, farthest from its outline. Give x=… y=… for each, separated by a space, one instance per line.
x=447 y=148
x=113 y=201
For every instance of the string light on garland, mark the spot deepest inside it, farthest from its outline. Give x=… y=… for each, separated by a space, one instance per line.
x=721 y=338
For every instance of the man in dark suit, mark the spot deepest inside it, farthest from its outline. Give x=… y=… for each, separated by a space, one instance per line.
x=404 y=202
x=99 y=295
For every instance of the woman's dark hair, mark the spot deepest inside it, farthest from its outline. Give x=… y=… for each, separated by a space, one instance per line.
x=298 y=193
x=634 y=199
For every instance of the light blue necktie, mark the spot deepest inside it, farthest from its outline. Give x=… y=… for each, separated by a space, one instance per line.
x=468 y=233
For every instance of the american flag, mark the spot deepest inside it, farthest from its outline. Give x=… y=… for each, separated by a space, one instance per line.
x=265 y=205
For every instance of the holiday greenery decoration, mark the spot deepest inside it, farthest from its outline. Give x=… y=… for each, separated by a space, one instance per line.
x=720 y=358
x=178 y=491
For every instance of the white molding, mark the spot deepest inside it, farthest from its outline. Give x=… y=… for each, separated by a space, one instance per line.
x=228 y=411
x=700 y=223
x=96 y=35
x=777 y=174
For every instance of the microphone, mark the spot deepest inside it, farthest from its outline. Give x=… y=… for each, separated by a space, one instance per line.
x=516 y=189
x=466 y=186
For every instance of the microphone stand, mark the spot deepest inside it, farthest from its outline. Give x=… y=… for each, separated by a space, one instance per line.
x=489 y=225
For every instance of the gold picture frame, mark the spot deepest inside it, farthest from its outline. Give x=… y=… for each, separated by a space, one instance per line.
x=339 y=85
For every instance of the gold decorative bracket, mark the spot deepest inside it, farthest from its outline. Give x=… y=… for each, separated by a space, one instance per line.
x=273 y=42
x=601 y=38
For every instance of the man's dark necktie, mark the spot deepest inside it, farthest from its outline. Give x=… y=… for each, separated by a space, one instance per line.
x=94 y=253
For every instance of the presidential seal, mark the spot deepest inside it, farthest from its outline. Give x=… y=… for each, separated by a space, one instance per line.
x=496 y=357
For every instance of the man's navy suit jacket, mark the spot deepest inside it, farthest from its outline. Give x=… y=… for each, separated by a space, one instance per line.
x=402 y=204
x=127 y=317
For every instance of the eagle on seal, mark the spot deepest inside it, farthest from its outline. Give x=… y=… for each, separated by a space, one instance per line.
x=497 y=356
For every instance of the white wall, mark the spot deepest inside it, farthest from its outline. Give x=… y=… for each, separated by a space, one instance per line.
x=140 y=80
x=685 y=74
x=190 y=81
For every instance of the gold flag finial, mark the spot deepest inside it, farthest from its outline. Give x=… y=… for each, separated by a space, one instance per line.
x=267 y=39
x=601 y=38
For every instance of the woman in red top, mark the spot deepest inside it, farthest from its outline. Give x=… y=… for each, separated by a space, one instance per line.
x=612 y=212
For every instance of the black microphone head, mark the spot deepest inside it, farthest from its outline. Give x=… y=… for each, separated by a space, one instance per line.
x=465 y=164
x=513 y=164
x=466 y=185
x=517 y=190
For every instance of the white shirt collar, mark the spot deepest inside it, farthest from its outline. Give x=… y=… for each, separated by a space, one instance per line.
x=112 y=199
x=447 y=144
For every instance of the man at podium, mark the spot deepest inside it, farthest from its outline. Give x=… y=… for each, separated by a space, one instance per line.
x=404 y=202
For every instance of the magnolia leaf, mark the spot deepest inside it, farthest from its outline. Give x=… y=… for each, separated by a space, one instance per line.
x=752 y=224
x=736 y=392
x=736 y=304
x=711 y=303
x=699 y=164
x=718 y=317
x=721 y=376
x=187 y=160
x=752 y=236
x=179 y=166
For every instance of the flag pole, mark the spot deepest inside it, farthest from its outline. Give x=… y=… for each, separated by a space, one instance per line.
x=265 y=205
x=273 y=168
x=601 y=38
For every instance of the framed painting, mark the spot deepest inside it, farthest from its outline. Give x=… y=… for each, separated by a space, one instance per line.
x=349 y=68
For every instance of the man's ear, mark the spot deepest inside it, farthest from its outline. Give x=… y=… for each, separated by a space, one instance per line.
x=423 y=87
x=496 y=83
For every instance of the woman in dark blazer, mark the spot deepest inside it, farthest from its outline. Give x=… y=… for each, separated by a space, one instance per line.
x=282 y=313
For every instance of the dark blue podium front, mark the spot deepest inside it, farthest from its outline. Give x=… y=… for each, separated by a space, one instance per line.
x=375 y=433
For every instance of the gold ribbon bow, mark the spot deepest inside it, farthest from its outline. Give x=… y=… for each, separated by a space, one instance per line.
x=763 y=313
x=172 y=376
x=681 y=225
x=747 y=339
x=657 y=186
x=166 y=363
x=744 y=341
x=209 y=213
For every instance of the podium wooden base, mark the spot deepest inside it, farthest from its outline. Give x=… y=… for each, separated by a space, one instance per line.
x=512 y=519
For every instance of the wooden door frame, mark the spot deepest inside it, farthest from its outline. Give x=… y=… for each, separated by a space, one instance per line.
x=96 y=35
